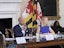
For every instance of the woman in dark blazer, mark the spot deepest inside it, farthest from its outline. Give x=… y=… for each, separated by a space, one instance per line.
x=56 y=27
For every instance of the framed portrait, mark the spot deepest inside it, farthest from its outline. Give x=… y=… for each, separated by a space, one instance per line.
x=50 y=8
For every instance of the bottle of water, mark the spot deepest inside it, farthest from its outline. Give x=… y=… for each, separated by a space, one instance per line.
x=37 y=37
x=58 y=32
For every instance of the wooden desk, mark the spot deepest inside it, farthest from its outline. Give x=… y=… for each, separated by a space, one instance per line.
x=42 y=44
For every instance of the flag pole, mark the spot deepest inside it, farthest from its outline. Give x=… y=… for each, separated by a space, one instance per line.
x=32 y=15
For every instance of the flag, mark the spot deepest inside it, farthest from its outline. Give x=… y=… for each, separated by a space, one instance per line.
x=29 y=14
x=39 y=14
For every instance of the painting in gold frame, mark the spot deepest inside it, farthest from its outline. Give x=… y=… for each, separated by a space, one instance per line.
x=45 y=6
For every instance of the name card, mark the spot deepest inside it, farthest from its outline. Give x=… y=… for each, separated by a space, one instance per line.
x=49 y=37
x=20 y=40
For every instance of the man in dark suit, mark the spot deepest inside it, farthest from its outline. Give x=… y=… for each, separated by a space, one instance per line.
x=20 y=29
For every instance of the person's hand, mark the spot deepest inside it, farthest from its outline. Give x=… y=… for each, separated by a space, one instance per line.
x=24 y=28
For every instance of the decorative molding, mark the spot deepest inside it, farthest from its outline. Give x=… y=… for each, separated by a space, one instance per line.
x=8 y=12
x=10 y=1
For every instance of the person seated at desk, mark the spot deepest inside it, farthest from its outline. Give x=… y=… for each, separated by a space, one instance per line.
x=56 y=27
x=20 y=29
x=44 y=29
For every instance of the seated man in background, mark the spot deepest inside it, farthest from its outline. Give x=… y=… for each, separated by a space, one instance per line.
x=20 y=29
x=56 y=27
x=44 y=29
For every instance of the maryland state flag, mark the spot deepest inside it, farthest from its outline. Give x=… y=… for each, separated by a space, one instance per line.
x=30 y=14
x=39 y=14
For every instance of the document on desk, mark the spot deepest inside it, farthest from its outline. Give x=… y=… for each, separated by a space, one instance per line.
x=49 y=37
x=20 y=40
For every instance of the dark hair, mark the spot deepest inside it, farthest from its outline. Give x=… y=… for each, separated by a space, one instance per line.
x=1 y=41
x=56 y=24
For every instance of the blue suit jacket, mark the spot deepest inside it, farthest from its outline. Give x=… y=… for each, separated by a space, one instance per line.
x=17 y=31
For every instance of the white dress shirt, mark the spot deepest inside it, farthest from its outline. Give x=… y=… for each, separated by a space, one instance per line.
x=21 y=26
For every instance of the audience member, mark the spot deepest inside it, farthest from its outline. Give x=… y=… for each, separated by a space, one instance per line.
x=44 y=29
x=56 y=27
